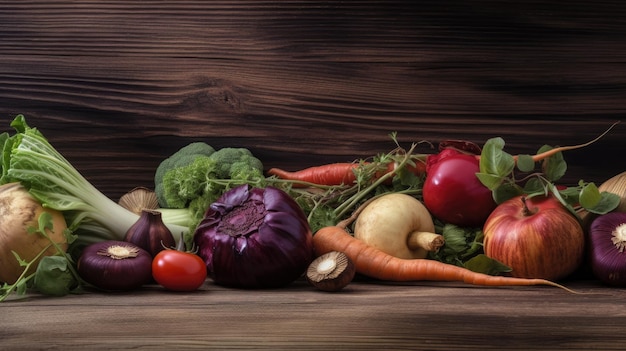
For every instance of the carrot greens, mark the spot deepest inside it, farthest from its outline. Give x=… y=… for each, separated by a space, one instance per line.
x=500 y=172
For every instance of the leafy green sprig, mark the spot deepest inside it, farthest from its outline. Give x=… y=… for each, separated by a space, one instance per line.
x=332 y=205
x=500 y=172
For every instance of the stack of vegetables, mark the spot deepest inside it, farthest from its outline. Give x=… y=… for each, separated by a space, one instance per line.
x=466 y=213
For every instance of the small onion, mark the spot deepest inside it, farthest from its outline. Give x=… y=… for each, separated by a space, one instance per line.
x=607 y=247
x=150 y=233
x=115 y=265
x=254 y=238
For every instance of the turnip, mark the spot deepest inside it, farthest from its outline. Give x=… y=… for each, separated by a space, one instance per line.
x=399 y=225
x=19 y=214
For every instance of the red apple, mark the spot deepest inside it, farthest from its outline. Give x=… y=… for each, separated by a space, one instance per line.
x=453 y=193
x=536 y=237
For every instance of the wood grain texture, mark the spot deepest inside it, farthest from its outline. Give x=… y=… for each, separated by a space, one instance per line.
x=117 y=86
x=364 y=316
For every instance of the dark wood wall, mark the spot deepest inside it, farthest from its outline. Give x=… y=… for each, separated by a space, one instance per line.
x=118 y=85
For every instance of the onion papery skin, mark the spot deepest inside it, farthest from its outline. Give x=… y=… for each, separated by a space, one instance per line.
x=112 y=274
x=254 y=238
x=608 y=264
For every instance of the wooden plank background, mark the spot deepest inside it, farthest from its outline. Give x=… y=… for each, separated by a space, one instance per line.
x=119 y=85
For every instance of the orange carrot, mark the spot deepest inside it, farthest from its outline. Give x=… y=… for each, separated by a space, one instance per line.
x=330 y=174
x=374 y=263
x=335 y=173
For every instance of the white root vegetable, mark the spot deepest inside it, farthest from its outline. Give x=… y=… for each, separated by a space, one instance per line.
x=18 y=212
x=399 y=225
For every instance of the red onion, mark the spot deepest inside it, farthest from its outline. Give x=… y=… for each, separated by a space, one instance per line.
x=115 y=265
x=254 y=238
x=607 y=246
x=150 y=233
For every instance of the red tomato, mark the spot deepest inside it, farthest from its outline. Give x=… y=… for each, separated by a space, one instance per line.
x=178 y=270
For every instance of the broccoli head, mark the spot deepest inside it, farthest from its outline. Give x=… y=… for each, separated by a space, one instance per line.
x=181 y=158
x=237 y=163
x=183 y=184
x=192 y=187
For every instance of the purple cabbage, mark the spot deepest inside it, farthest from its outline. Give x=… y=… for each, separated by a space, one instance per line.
x=254 y=238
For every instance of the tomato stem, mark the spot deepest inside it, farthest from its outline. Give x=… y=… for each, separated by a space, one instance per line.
x=181 y=245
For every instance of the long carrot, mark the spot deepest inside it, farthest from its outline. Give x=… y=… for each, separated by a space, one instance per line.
x=335 y=173
x=330 y=174
x=374 y=263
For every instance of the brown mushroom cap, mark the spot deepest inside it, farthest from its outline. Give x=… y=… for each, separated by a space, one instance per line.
x=139 y=199
x=331 y=272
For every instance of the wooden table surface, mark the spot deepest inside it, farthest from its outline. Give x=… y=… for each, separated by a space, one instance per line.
x=365 y=316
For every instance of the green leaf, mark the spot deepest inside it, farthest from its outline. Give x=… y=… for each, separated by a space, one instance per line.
x=475 y=247
x=21 y=287
x=496 y=143
x=69 y=235
x=54 y=277
x=21 y=261
x=553 y=167
x=490 y=181
x=495 y=161
x=461 y=244
x=455 y=238
x=407 y=179
x=506 y=191
x=570 y=195
x=45 y=222
x=589 y=196
x=555 y=192
x=534 y=186
x=486 y=265
x=19 y=123
x=525 y=163
x=608 y=202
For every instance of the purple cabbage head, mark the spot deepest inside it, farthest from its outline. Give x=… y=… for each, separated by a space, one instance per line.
x=254 y=238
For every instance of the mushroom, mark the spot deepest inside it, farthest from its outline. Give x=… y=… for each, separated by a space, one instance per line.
x=331 y=271
x=400 y=225
x=139 y=199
